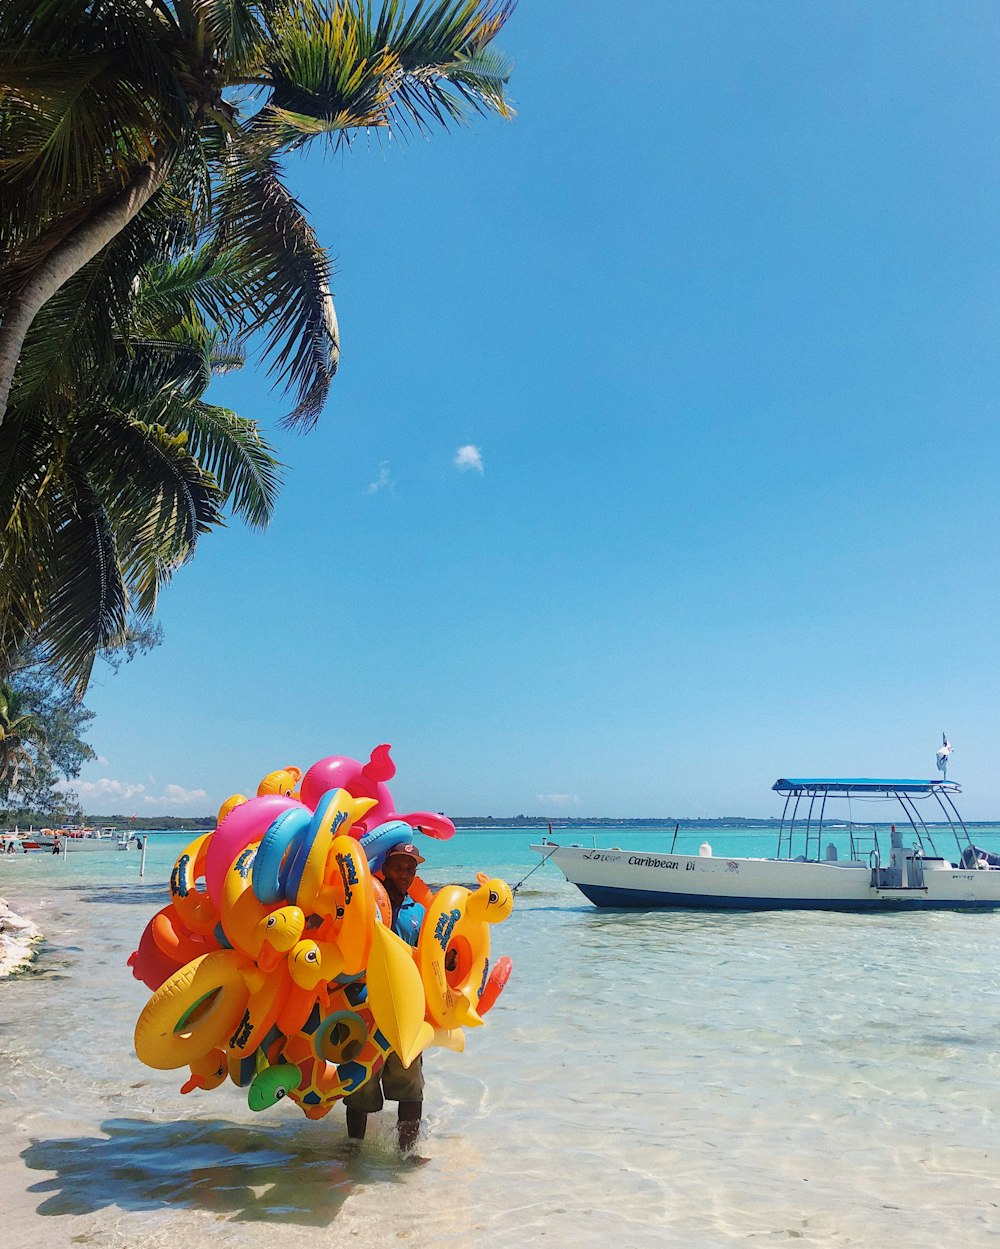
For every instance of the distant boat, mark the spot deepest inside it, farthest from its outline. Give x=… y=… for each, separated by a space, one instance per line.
x=805 y=874
x=36 y=839
x=72 y=840
x=76 y=840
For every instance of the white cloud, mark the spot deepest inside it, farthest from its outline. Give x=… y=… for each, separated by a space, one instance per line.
x=177 y=795
x=558 y=800
x=103 y=795
x=468 y=459
x=383 y=481
x=91 y=791
x=102 y=761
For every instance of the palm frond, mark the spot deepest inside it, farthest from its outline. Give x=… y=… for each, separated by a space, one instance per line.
x=335 y=70
x=88 y=92
x=481 y=78
x=88 y=604
x=158 y=498
x=235 y=33
x=326 y=77
x=163 y=368
x=287 y=276
x=227 y=356
x=204 y=277
x=441 y=50
x=133 y=441
x=231 y=448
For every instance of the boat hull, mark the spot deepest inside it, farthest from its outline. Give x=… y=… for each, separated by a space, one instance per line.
x=80 y=845
x=642 y=881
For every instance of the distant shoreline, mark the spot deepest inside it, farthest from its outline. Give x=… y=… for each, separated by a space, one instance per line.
x=206 y=823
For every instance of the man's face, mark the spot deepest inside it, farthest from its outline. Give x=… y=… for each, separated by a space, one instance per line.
x=398 y=872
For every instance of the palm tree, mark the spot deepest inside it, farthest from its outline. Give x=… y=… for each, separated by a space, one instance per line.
x=125 y=124
x=145 y=236
x=107 y=485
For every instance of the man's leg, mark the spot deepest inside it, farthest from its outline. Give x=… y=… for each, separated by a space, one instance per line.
x=357 y=1122
x=408 y=1124
x=366 y=1101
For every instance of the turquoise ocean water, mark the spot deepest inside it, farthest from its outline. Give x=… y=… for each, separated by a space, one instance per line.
x=670 y=1078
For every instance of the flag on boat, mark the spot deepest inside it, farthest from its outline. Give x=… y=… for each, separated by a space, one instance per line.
x=943 y=753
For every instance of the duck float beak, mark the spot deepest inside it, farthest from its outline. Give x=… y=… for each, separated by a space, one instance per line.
x=279 y=931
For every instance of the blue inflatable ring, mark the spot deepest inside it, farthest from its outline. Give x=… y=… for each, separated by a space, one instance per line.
x=275 y=854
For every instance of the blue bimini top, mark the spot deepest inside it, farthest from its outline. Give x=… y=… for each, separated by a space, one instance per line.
x=864 y=785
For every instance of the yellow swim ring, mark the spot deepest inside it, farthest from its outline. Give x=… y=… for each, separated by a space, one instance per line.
x=348 y=899
x=196 y=1010
x=446 y=1007
x=454 y=949
x=335 y=814
x=195 y=908
x=269 y=993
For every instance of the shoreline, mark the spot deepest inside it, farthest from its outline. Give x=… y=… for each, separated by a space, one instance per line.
x=18 y=939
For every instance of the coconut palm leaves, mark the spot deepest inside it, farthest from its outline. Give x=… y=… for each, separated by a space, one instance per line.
x=104 y=106
x=89 y=94
x=446 y=68
x=147 y=240
x=107 y=487
x=82 y=549
x=290 y=303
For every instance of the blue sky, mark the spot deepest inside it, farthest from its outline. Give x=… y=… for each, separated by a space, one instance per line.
x=718 y=316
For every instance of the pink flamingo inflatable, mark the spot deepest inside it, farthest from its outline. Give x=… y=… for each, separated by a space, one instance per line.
x=367 y=780
x=361 y=780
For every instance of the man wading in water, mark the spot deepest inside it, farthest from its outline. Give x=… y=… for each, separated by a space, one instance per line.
x=395 y=1082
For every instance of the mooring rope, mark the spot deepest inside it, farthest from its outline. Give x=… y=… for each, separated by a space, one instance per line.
x=541 y=863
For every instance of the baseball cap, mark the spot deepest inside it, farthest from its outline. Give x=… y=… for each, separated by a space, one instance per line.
x=407 y=848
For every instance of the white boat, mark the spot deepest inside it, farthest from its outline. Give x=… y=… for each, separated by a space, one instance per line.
x=79 y=840
x=67 y=840
x=30 y=839
x=817 y=866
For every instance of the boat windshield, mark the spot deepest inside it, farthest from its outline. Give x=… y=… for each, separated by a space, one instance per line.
x=806 y=815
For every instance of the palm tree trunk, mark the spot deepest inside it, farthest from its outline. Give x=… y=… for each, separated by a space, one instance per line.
x=68 y=258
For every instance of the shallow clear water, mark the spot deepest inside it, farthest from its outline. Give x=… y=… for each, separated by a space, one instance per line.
x=675 y=1078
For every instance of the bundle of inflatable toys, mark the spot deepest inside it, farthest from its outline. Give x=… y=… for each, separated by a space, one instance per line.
x=275 y=964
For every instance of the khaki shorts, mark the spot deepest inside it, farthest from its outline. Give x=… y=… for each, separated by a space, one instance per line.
x=394 y=1083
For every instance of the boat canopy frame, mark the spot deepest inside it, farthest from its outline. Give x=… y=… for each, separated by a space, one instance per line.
x=906 y=792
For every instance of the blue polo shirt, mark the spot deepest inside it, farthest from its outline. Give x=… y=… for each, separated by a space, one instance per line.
x=406 y=920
